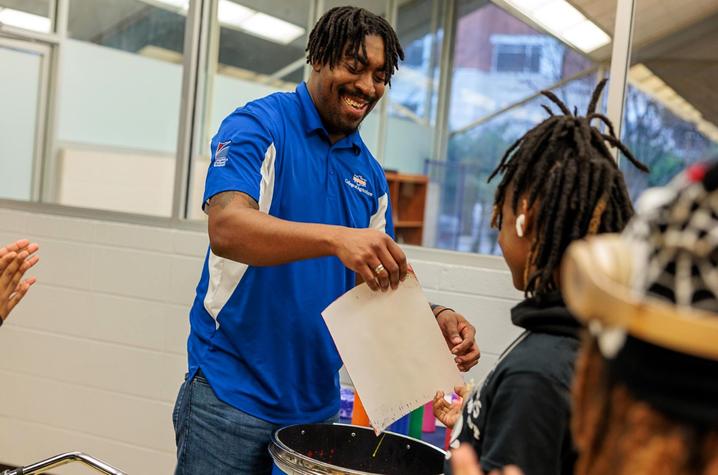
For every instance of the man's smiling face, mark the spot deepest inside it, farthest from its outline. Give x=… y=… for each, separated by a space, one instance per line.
x=345 y=94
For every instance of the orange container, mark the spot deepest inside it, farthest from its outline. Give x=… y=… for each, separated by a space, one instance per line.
x=359 y=417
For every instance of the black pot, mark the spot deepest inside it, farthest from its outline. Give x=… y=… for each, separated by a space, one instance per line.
x=314 y=449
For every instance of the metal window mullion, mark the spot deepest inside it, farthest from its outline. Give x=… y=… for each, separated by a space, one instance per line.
x=52 y=13
x=433 y=31
x=22 y=34
x=315 y=9
x=441 y=140
x=620 y=62
x=188 y=106
x=209 y=69
x=48 y=179
x=392 y=10
x=41 y=123
x=319 y=10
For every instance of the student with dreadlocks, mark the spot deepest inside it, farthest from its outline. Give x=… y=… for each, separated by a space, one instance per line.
x=560 y=183
x=296 y=206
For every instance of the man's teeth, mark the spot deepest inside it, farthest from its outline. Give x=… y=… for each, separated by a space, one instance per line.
x=354 y=104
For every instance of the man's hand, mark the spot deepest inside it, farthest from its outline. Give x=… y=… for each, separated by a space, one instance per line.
x=15 y=259
x=460 y=337
x=448 y=413
x=240 y=231
x=463 y=462
x=373 y=255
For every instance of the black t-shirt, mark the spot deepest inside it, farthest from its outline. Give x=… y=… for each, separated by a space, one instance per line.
x=521 y=415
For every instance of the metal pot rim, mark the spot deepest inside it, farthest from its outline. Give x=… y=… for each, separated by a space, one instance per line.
x=281 y=445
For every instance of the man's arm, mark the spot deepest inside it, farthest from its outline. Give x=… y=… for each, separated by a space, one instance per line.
x=240 y=232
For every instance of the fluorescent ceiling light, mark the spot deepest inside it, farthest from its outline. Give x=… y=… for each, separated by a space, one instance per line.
x=586 y=36
x=529 y=6
x=272 y=28
x=244 y=19
x=563 y=20
x=24 y=20
x=558 y=16
x=231 y=13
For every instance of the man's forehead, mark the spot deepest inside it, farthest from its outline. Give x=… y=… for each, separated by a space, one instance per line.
x=352 y=49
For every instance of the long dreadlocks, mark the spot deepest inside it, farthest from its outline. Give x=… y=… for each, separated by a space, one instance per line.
x=565 y=168
x=341 y=31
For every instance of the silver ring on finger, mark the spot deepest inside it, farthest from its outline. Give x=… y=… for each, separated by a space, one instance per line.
x=379 y=269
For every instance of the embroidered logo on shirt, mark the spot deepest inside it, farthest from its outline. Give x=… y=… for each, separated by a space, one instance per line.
x=358 y=182
x=220 y=156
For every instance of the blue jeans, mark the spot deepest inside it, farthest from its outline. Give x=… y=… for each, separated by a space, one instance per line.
x=216 y=438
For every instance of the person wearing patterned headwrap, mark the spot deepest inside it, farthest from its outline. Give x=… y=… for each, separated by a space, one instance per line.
x=646 y=388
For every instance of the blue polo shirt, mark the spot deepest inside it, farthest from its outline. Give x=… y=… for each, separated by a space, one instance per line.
x=257 y=332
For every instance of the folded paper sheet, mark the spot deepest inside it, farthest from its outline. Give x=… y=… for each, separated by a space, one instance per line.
x=392 y=348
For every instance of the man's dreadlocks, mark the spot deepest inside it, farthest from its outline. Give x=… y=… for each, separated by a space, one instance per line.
x=565 y=168
x=341 y=31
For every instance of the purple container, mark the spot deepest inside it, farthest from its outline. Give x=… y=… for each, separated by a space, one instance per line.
x=346 y=403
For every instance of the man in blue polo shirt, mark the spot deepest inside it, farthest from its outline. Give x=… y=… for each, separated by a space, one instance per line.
x=297 y=208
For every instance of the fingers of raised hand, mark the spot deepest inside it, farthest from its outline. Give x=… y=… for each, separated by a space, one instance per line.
x=14 y=246
x=12 y=267
x=19 y=293
x=28 y=263
x=10 y=263
x=5 y=261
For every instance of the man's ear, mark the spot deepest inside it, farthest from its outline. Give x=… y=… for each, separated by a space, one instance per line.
x=316 y=67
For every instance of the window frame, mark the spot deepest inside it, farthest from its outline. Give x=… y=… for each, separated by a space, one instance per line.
x=198 y=34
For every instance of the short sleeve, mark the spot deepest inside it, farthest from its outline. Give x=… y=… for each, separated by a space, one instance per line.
x=382 y=218
x=238 y=152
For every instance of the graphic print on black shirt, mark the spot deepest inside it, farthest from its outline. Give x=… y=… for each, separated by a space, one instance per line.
x=521 y=414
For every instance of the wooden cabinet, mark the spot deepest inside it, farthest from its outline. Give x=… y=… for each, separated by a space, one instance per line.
x=408 y=199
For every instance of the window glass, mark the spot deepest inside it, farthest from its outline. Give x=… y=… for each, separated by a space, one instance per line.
x=499 y=59
x=23 y=68
x=500 y=65
x=412 y=98
x=671 y=105
x=118 y=106
x=257 y=49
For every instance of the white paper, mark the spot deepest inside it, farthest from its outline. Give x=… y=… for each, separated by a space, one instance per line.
x=392 y=348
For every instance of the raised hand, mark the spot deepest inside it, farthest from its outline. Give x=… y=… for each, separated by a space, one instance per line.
x=15 y=259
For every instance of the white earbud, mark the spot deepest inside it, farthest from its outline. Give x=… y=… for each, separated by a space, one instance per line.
x=520 y=221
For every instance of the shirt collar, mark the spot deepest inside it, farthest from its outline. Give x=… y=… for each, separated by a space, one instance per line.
x=313 y=122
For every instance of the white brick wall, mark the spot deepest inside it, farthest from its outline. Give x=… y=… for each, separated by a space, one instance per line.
x=94 y=356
